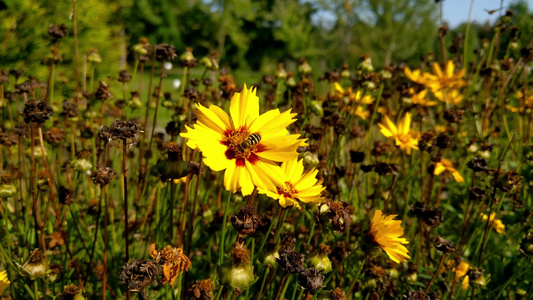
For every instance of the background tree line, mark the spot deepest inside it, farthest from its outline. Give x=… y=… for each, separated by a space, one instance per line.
x=248 y=34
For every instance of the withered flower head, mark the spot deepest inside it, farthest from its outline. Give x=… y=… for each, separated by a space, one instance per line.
x=454 y=115
x=384 y=168
x=71 y=292
x=237 y=273
x=125 y=130
x=54 y=136
x=509 y=182
x=8 y=140
x=444 y=141
x=416 y=295
x=245 y=221
x=335 y=215
x=58 y=31
x=103 y=92
x=123 y=76
x=55 y=240
x=37 y=112
x=139 y=274
x=105 y=134
x=70 y=109
x=477 y=164
x=66 y=196
x=173 y=167
x=103 y=175
x=173 y=128
x=431 y=216
x=291 y=261
x=202 y=290
x=36 y=266
x=25 y=87
x=443 y=244
x=311 y=279
x=173 y=260
x=380 y=148
x=476 y=276
x=191 y=93
x=165 y=52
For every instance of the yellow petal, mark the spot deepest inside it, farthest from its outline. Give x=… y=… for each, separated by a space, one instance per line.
x=214 y=118
x=439 y=168
x=244 y=104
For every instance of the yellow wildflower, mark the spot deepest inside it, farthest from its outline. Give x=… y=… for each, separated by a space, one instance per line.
x=403 y=135
x=356 y=97
x=296 y=185
x=447 y=79
x=416 y=76
x=446 y=165
x=449 y=96
x=4 y=282
x=460 y=272
x=247 y=145
x=421 y=98
x=497 y=224
x=386 y=233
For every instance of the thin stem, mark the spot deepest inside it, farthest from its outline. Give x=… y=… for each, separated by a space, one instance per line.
x=125 y=180
x=223 y=234
x=436 y=272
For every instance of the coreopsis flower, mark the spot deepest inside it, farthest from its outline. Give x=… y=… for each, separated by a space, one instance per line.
x=387 y=233
x=451 y=96
x=421 y=99
x=4 y=282
x=247 y=145
x=446 y=165
x=525 y=103
x=356 y=97
x=403 y=135
x=496 y=223
x=444 y=79
x=461 y=272
x=173 y=260
x=359 y=111
x=296 y=185
x=416 y=76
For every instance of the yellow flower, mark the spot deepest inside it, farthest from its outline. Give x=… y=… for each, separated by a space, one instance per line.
x=497 y=224
x=247 y=145
x=4 y=282
x=446 y=165
x=525 y=102
x=449 y=96
x=448 y=79
x=421 y=98
x=386 y=233
x=356 y=97
x=360 y=112
x=416 y=76
x=460 y=272
x=296 y=185
x=403 y=135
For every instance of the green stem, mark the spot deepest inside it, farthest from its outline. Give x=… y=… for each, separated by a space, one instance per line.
x=223 y=234
x=36 y=289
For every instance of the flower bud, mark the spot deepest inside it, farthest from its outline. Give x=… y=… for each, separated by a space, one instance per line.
x=311 y=159
x=81 y=165
x=94 y=57
x=238 y=272
x=281 y=73
x=304 y=68
x=37 y=152
x=320 y=260
x=316 y=108
x=7 y=190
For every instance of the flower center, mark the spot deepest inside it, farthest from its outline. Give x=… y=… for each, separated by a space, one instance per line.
x=234 y=142
x=288 y=191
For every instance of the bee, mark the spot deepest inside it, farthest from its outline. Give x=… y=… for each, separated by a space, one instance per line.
x=253 y=139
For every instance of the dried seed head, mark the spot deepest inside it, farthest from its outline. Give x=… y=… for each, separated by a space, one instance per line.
x=103 y=92
x=66 y=196
x=454 y=115
x=416 y=295
x=36 y=266
x=291 y=261
x=431 y=216
x=58 y=31
x=124 y=130
x=357 y=156
x=70 y=109
x=123 y=76
x=526 y=245
x=103 y=175
x=188 y=60
x=165 y=52
x=37 y=112
x=477 y=164
x=139 y=274
x=8 y=140
x=443 y=244
x=335 y=215
x=246 y=220
x=311 y=279
x=202 y=290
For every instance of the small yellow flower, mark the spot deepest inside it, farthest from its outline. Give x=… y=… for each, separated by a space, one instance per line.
x=460 y=272
x=447 y=79
x=4 y=282
x=525 y=103
x=360 y=112
x=356 y=97
x=296 y=185
x=497 y=224
x=449 y=96
x=446 y=165
x=421 y=98
x=403 y=135
x=386 y=233
x=416 y=76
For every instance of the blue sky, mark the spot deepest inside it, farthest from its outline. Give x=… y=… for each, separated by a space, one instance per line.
x=456 y=11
